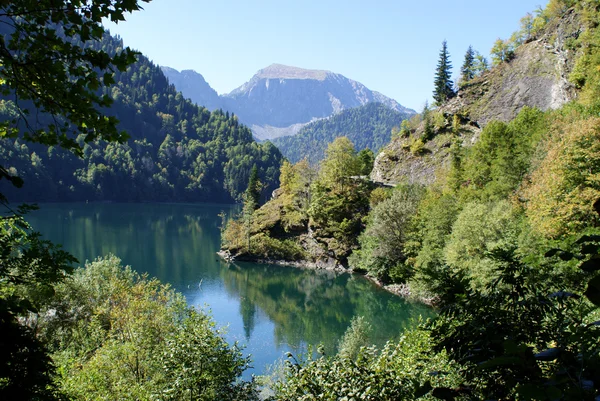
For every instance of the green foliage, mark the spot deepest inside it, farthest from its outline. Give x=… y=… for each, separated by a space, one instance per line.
x=565 y=185
x=30 y=269
x=369 y=126
x=252 y=194
x=443 y=86
x=521 y=337
x=355 y=338
x=478 y=230
x=367 y=160
x=118 y=335
x=176 y=151
x=497 y=163
x=382 y=243
x=397 y=372
x=502 y=51
x=42 y=71
x=467 y=71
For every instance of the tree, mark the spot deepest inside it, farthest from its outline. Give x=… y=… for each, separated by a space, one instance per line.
x=50 y=67
x=443 y=85
x=467 y=70
x=502 y=51
x=340 y=163
x=252 y=195
x=481 y=64
x=366 y=158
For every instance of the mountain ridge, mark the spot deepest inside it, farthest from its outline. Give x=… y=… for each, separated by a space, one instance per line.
x=279 y=99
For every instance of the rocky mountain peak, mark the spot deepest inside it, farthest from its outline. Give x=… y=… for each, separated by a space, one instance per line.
x=280 y=71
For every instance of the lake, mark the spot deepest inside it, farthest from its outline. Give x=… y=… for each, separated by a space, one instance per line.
x=269 y=309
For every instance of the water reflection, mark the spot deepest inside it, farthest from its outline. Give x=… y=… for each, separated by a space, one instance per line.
x=271 y=309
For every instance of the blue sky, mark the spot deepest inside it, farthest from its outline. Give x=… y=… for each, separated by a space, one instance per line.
x=390 y=46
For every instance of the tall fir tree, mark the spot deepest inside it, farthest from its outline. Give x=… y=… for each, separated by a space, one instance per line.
x=467 y=71
x=443 y=83
x=252 y=196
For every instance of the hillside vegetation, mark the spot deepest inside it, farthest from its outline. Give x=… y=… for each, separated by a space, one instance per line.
x=176 y=151
x=496 y=222
x=368 y=127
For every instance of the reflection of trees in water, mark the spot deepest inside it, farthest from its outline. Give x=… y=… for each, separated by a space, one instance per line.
x=315 y=306
x=172 y=242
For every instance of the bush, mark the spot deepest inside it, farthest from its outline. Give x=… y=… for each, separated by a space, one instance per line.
x=118 y=335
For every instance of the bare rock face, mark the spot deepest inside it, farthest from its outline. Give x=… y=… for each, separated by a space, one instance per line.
x=536 y=77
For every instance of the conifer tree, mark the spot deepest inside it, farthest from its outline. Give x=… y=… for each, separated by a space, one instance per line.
x=467 y=71
x=252 y=196
x=443 y=83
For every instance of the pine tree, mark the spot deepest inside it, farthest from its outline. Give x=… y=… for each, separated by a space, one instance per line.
x=467 y=71
x=443 y=82
x=252 y=196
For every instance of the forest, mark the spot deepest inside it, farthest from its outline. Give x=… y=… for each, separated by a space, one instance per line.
x=175 y=151
x=504 y=243
x=369 y=127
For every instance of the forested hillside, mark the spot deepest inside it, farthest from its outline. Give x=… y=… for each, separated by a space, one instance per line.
x=177 y=151
x=369 y=126
x=495 y=222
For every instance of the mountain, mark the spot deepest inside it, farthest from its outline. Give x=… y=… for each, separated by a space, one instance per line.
x=279 y=100
x=369 y=126
x=194 y=87
x=177 y=150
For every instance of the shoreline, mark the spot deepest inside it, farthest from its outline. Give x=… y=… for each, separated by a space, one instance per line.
x=400 y=290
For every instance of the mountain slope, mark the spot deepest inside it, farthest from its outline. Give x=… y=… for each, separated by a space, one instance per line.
x=367 y=126
x=177 y=151
x=281 y=96
x=279 y=100
x=193 y=86
x=537 y=75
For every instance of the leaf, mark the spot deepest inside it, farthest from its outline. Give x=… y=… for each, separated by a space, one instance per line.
x=593 y=291
x=550 y=354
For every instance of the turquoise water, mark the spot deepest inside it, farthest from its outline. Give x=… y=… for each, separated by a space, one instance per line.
x=269 y=309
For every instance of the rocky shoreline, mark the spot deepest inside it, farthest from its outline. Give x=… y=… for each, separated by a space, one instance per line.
x=401 y=290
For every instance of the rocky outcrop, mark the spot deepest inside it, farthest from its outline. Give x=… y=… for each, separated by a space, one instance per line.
x=537 y=76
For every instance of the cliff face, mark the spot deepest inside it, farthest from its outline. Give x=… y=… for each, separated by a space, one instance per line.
x=536 y=77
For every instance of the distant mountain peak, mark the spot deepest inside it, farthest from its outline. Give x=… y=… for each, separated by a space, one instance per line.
x=280 y=71
x=193 y=85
